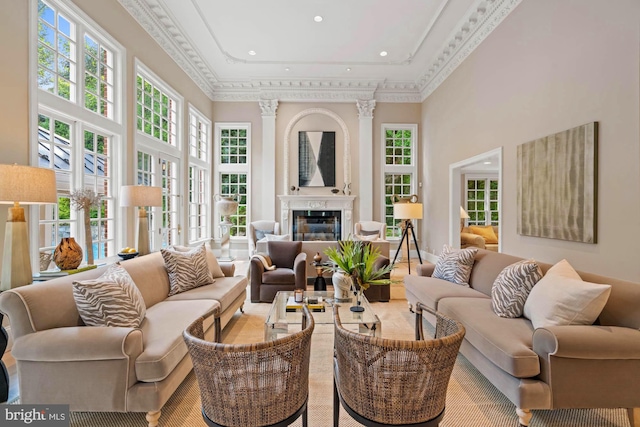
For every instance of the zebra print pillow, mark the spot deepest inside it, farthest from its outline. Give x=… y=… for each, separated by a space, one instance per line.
x=187 y=270
x=454 y=265
x=512 y=286
x=110 y=300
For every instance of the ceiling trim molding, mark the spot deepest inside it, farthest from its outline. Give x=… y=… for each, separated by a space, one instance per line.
x=162 y=27
x=476 y=27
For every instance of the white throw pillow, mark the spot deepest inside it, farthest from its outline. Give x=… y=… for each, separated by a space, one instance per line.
x=561 y=299
x=110 y=300
x=276 y=237
x=454 y=265
x=186 y=270
x=367 y=238
x=512 y=287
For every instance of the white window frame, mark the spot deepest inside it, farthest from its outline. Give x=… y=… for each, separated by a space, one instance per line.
x=75 y=113
x=203 y=165
x=487 y=201
x=232 y=168
x=411 y=169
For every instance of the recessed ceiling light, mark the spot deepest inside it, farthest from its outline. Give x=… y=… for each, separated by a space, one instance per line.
x=287 y=69
x=383 y=53
x=487 y=163
x=348 y=69
x=252 y=52
x=317 y=18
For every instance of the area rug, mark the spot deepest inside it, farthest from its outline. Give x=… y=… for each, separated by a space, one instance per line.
x=471 y=400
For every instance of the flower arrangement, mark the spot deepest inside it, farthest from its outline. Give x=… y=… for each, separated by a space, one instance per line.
x=84 y=199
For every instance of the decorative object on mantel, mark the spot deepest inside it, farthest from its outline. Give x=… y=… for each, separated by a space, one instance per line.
x=141 y=196
x=28 y=186
x=406 y=209
x=227 y=205
x=347 y=189
x=295 y=189
x=557 y=185
x=84 y=199
x=68 y=254
x=335 y=191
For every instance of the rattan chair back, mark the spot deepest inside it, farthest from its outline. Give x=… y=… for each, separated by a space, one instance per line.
x=383 y=381
x=251 y=385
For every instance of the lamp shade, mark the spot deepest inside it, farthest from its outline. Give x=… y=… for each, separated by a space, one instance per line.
x=407 y=210
x=27 y=185
x=463 y=213
x=140 y=195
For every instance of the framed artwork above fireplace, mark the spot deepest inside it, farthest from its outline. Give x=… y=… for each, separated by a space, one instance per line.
x=316 y=159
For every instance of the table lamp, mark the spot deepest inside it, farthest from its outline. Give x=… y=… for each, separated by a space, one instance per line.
x=406 y=211
x=141 y=196
x=30 y=186
x=463 y=215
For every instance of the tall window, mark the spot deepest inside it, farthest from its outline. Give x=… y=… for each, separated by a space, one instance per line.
x=400 y=168
x=233 y=158
x=482 y=201
x=79 y=139
x=199 y=170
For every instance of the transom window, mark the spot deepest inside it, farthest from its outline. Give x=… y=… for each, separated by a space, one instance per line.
x=233 y=146
x=155 y=111
x=400 y=169
x=98 y=77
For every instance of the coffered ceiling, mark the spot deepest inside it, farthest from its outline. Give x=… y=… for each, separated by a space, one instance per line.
x=277 y=49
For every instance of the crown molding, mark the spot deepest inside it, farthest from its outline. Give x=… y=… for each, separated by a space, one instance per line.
x=162 y=27
x=472 y=30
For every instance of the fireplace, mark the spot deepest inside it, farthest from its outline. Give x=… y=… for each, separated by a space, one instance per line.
x=316 y=225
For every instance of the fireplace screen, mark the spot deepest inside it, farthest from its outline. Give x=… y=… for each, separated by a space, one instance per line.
x=317 y=225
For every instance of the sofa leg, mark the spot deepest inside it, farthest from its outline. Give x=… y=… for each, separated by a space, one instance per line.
x=242 y=308
x=152 y=418
x=524 y=416
x=634 y=416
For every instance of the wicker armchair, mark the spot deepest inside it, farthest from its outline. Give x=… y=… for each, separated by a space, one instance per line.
x=246 y=385
x=394 y=382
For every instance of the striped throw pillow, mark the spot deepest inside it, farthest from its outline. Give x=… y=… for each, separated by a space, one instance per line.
x=187 y=270
x=454 y=265
x=512 y=286
x=110 y=300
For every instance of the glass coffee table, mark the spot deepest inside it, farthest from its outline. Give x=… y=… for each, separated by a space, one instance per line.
x=280 y=317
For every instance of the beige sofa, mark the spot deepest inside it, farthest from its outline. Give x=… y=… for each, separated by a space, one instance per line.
x=61 y=361
x=594 y=366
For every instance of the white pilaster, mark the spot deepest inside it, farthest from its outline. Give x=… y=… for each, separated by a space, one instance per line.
x=268 y=108
x=365 y=158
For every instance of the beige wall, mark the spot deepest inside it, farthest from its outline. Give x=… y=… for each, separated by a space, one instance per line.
x=112 y=17
x=550 y=66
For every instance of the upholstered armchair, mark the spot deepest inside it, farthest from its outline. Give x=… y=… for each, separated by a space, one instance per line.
x=258 y=229
x=289 y=272
x=482 y=237
x=366 y=229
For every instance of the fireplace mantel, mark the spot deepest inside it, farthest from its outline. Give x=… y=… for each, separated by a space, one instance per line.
x=288 y=203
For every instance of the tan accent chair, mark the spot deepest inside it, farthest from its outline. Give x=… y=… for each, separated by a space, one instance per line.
x=470 y=240
x=260 y=227
x=365 y=229
x=415 y=373
x=289 y=274
x=258 y=384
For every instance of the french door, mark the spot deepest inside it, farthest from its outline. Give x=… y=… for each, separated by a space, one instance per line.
x=481 y=200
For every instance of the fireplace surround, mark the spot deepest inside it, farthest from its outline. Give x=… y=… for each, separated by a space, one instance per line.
x=316 y=208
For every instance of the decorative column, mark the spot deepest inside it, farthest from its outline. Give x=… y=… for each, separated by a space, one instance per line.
x=268 y=161
x=365 y=158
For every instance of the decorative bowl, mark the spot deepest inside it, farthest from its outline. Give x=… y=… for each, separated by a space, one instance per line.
x=127 y=255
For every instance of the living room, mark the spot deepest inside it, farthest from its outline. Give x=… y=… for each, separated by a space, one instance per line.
x=547 y=67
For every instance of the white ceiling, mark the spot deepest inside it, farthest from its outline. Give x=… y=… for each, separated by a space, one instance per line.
x=340 y=56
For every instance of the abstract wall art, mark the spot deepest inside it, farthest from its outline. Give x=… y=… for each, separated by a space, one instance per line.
x=557 y=185
x=316 y=159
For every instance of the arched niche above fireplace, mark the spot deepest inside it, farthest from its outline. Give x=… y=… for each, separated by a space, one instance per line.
x=288 y=149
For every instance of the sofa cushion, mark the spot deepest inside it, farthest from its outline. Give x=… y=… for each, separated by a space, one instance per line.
x=110 y=300
x=150 y=276
x=430 y=291
x=283 y=253
x=279 y=276
x=163 y=345
x=506 y=342
x=561 y=297
x=512 y=286
x=187 y=270
x=224 y=290
x=486 y=231
x=454 y=265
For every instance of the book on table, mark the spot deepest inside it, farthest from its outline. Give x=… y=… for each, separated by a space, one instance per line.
x=293 y=305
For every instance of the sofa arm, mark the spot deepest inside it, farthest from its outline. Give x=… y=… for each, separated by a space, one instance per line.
x=80 y=343
x=228 y=268
x=589 y=366
x=300 y=270
x=469 y=239
x=425 y=269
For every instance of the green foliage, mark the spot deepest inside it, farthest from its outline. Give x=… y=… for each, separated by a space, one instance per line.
x=357 y=259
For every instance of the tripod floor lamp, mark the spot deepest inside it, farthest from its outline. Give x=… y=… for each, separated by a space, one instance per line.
x=407 y=211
